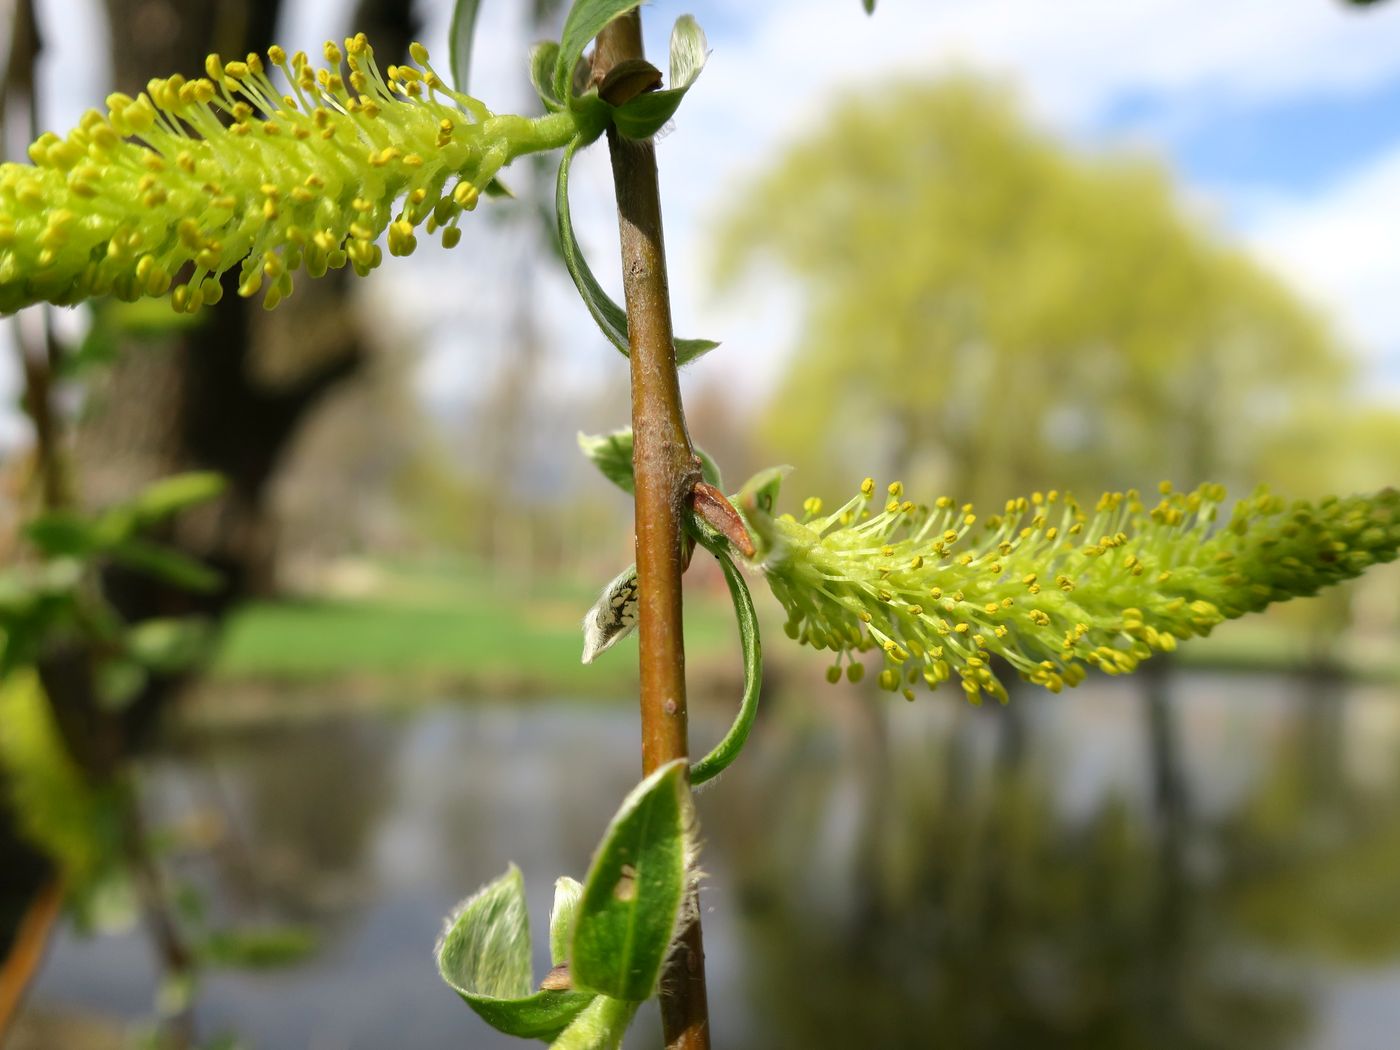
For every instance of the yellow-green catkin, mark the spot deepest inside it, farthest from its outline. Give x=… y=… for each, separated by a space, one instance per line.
x=170 y=189
x=1050 y=587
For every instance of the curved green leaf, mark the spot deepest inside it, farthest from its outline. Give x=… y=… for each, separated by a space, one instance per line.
x=563 y=917
x=727 y=750
x=484 y=955
x=610 y=317
x=543 y=58
x=584 y=21
x=689 y=50
x=459 y=40
x=632 y=896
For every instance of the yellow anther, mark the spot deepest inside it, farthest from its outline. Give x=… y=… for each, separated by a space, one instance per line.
x=465 y=195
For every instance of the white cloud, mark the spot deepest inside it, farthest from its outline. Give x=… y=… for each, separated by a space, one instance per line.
x=1341 y=248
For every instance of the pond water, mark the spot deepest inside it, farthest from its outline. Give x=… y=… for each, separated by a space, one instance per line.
x=878 y=874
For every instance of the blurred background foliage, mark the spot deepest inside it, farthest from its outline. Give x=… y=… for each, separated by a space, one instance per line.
x=390 y=704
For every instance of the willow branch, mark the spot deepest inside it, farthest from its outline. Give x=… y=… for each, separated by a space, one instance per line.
x=665 y=470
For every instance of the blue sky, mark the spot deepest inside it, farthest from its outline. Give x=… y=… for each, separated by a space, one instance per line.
x=1280 y=118
x=1294 y=145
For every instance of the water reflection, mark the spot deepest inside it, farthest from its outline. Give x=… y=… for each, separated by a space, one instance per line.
x=1219 y=867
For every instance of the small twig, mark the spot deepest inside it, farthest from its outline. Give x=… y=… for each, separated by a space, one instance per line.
x=27 y=951
x=665 y=470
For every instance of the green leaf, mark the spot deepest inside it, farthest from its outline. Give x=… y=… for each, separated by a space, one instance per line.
x=252 y=948
x=632 y=896
x=689 y=50
x=600 y=1026
x=168 y=644
x=869 y=6
x=484 y=956
x=66 y=532
x=563 y=917
x=459 y=39
x=727 y=750
x=612 y=454
x=610 y=317
x=165 y=564
x=645 y=115
x=543 y=58
x=119 y=682
x=171 y=495
x=585 y=20
x=61 y=533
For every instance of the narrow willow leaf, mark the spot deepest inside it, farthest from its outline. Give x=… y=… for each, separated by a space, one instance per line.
x=727 y=750
x=176 y=493
x=632 y=896
x=562 y=918
x=610 y=317
x=60 y=533
x=459 y=38
x=166 y=564
x=601 y=1026
x=484 y=955
x=646 y=114
x=584 y=21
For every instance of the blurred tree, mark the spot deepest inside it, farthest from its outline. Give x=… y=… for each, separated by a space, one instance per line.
x=997 y=312
x=226 y=393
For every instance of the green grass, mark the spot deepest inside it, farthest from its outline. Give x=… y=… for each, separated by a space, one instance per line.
x=449 y=629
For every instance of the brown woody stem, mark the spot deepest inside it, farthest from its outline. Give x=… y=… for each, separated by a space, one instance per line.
x=665 y=469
